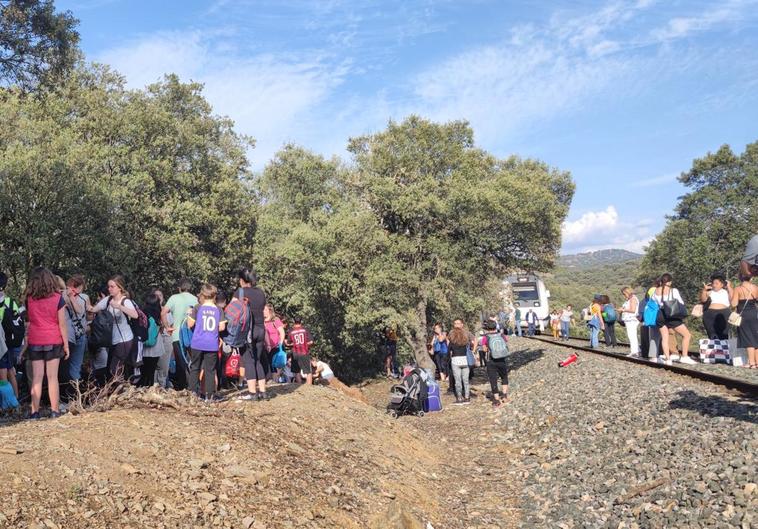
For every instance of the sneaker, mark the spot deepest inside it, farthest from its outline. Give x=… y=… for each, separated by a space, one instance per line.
x=246 y=396
x=675 y=358
x=55 y=414
x=687 y=360
x=263 y=396
x=34 y=416
x=669 y=362
x=657 y=360
x=63 y=408
x=467 y=400
x=458 y=401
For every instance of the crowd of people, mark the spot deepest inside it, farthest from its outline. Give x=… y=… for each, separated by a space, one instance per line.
x=56 y=334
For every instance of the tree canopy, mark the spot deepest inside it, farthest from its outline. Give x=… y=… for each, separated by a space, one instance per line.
x=711 y=224
x=37 y=44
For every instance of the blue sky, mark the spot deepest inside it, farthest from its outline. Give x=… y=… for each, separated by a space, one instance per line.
x=624 y=94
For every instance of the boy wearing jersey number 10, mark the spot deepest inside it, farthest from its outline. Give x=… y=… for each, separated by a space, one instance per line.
x=300 y=341
x=207 y=321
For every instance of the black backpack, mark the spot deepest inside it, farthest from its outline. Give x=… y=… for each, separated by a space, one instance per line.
x=12 y=322
x=101 y=328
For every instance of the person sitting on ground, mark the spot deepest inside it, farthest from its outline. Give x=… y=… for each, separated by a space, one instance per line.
x=300 y=341
x=715 y=297
x=322 y=373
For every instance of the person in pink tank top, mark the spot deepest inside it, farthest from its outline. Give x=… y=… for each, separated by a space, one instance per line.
x=47 y=337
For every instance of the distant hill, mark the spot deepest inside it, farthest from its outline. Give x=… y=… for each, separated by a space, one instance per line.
x=600 y=257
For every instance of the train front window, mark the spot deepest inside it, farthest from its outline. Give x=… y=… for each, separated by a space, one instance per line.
x=526 y=292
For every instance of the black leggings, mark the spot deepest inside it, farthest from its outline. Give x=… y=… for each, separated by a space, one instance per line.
x=715 y=323
x=495 y=369
x=147 y=371
x=205 y=360
x=440 y=361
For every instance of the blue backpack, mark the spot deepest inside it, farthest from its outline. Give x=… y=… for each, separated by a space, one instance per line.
x=609 y=313
x=152 y=332
x=650 y=314
x=280 y=358
x=185 y=337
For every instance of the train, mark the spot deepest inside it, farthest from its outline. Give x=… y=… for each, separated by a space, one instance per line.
x=529 y=292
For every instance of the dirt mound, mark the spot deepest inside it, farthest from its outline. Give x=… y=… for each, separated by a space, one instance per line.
x=311 y=457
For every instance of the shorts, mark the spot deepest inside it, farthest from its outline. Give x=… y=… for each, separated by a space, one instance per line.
x=673 y=323
x=45 y=352
x=304 y=363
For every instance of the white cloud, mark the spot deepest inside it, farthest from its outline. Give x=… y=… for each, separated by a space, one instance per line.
x=272 y=98
x=598 y=230
x=681 y=27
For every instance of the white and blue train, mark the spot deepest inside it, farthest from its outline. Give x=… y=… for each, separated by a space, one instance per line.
x=529 y=292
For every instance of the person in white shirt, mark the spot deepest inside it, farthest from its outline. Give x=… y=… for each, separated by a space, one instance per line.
x=715 y=298
x=321 y=370
x=567 y=316
x=629 y=316
x=665 y=294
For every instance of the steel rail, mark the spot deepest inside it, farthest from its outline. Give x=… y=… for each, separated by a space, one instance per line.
x=748 y=388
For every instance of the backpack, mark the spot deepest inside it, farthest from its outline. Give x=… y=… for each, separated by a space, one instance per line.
x=185 y=336
x=101 y=328
x=280 y=358
x=237 y=323
x=650 y=314
x=609 y=314
x=139 y=325
x=13 y=323
x=152 y=332
x=497 y=346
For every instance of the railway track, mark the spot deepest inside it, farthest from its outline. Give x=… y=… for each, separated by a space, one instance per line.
x=747 y=387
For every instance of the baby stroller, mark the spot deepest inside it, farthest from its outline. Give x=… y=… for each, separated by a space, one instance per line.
x=408 y=398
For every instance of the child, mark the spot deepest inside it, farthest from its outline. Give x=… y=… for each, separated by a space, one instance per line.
x=300 y=341
x=207 y=321
x=321 y=371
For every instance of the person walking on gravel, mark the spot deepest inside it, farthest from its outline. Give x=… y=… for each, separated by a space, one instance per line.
x=628 y=313
x=744 y=301
x=672 y=312
x=497 y=364
x=460 y=342
x=567 y=316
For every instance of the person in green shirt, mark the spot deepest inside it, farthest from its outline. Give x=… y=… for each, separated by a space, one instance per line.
x=179 y=305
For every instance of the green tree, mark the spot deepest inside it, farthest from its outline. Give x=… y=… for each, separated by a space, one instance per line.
x=711 y=224
x=455 y=217
x=37 y=44
x=100 y=179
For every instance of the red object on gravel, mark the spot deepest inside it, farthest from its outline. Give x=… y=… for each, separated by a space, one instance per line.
x=570 y=360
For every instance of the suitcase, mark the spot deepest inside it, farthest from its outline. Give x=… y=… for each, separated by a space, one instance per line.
x=433 y=401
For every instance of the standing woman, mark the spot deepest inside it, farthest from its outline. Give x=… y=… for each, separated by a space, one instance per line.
x=77 y=304
x=254 y=359
x=665 y=292
x=744 y=300
x=152 y=354
x=629 y=316
x=274 y=333
x=440 y=349
x=715 y=297
x=47 y=336
x=595 y=323
x=609 y=322
x=121 y=308
x=459 y=344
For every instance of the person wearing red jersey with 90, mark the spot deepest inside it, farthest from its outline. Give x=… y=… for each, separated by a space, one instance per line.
x=300 y=341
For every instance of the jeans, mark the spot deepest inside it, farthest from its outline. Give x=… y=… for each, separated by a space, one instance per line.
x=631 y=332
x=610 y=334
x=460 y=374
x=565 y=330
x=161 y=373
x=531 y=329
x=594 y=335
x=518 y=327
x=76 y=357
